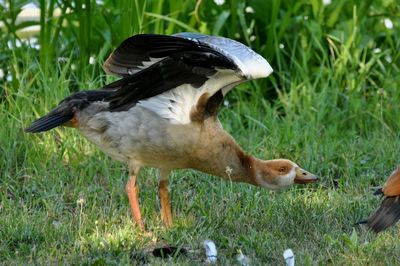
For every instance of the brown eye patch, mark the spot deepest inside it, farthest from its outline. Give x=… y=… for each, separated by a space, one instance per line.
x=282 y=169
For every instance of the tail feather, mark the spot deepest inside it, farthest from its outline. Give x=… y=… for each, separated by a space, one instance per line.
x=361 y=222
x=65 y=111
x=386 y=215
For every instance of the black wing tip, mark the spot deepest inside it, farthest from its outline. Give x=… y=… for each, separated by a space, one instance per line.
x=48 y=122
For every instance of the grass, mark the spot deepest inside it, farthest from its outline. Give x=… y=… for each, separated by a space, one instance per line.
x=334 y=111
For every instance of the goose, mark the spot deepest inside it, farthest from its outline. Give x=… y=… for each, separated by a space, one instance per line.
x=388 y=213
x=162 y=113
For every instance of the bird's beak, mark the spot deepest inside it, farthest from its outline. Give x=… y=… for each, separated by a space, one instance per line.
x=303 y=177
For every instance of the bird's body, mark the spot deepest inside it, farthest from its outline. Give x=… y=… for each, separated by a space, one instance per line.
x=163 y=112
x=388 y=213
x=126 y=137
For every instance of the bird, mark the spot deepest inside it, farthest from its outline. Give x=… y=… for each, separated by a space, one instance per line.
x=162 y=112
x=388 y=213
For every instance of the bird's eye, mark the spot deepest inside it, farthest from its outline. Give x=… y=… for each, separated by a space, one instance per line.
x=282 y=169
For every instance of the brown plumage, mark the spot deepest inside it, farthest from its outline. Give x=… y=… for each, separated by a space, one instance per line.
x=163 y=113
x=388 y=213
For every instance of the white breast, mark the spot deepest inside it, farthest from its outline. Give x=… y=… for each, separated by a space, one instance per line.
x=175 y=105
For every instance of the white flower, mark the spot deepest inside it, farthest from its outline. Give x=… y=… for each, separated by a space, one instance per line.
x=388 y=23
x=92 y=60
x=305 y=17
x=252 y=38
x=381 y=92
x=326 y=2
x=249 y=9
x=81 y=201
x=237 y=35
x=377 y=50
x=281 y=46
x=219 y=2
x=388 y=58
x=226 y=103
x=62 y=59
x=1 y=73
x=228 y=170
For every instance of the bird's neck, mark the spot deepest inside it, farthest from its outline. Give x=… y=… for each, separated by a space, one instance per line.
x=218 y=154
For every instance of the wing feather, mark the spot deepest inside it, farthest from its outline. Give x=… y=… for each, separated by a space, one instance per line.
x=169 y=74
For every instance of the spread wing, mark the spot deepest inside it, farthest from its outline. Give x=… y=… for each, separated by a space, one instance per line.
x=169 y=74
x=153 y=64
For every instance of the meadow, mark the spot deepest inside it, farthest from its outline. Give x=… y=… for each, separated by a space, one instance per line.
x=332 y=105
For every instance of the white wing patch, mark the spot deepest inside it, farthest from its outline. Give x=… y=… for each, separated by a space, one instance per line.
x=252 y=65
x=152 y=61
x=121 y=70
x=175 y=105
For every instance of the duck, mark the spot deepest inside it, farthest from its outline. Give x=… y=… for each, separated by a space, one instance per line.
x=388 y=213
x=162 y=112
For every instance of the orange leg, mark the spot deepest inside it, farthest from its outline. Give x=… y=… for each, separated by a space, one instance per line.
x=133 y=194
x=163 y=194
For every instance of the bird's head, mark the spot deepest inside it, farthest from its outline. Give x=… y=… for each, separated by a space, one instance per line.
x=280 y=173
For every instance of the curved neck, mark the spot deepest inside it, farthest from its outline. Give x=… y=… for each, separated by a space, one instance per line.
x=225 y=159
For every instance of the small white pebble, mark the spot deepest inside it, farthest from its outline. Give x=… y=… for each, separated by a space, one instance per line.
x=388 y=23
x=242 y=259
x=288 y=255
x=211 y=251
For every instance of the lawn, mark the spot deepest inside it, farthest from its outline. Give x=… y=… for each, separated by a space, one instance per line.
x=332 y=106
